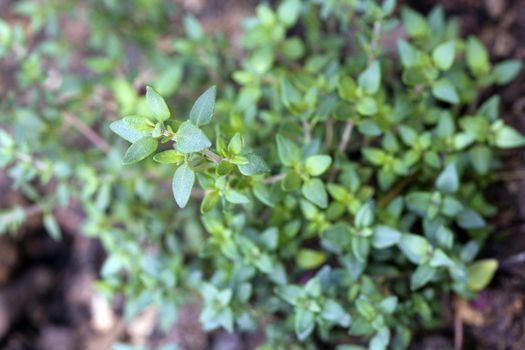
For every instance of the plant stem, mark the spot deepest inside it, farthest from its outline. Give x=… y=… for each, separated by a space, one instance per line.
x=272 y=179
x=88 y=133
x=347 y=133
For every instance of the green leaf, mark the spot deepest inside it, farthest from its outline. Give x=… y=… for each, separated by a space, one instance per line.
x=508 y=137
x=423 y=274
x=193 y=28
x=289 y=152
x=335 y=313
x=314 y=191
x=52 y=227
x=480 y=273
x=140 y=150
x=309 y=259
x=288 y=12
x=202 y=111
x=318 y=164
x=236 y=144
x=191 y=139
x=477 y=57
x=256 y=165
x=236 y=197
x=367 y=106
x=415 y=248
x=407 y=53
x=291 y=182
x=443 y=55
x=360 y=248
x=210 y=201
x=369 y=127
x=157 y=105
x=481 y=159
x=448 y=180
x=224 y=167
x=168 y=157
x=470 y=219
x=370 y=79
x=385 y=237
x=414 y=23
x=182 y=184
x=124 y=130
x=139 y=123
x=304 y=323
x=365 y=216
x=444 y=90
x=506 y=71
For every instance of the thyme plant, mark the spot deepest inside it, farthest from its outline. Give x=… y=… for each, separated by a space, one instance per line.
x=329 y=187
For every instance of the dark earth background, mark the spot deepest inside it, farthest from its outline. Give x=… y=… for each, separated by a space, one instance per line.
x=46 y=301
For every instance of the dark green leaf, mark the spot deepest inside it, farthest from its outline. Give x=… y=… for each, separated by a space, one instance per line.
x=140 y=150
x=423 y=274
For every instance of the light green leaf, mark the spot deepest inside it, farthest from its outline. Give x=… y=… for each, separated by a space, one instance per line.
x=508 y=137
x=477 y=57
x=309 y=258
x=289 y=152
x=140 y=150
x=448 y=180
x=304 y=323
x=256 y=165
x=202 y=111
x=414 y=23
x=415 y=248
x=506 y=71
x=157 y=105
x=191 y=139
x=385 y=237
x=139 y=123
x=182 y=184
x=236 y=197
x=444 y=90
x=314 y=191
x=210 y=201
x=236 y=144
x=370 y=79
x=124 y=130
x=480 y=274
x=443 y=55
x=481 y=158
x=168 y=157
x=52 y=227
x=288 y=12
x=318 y=164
